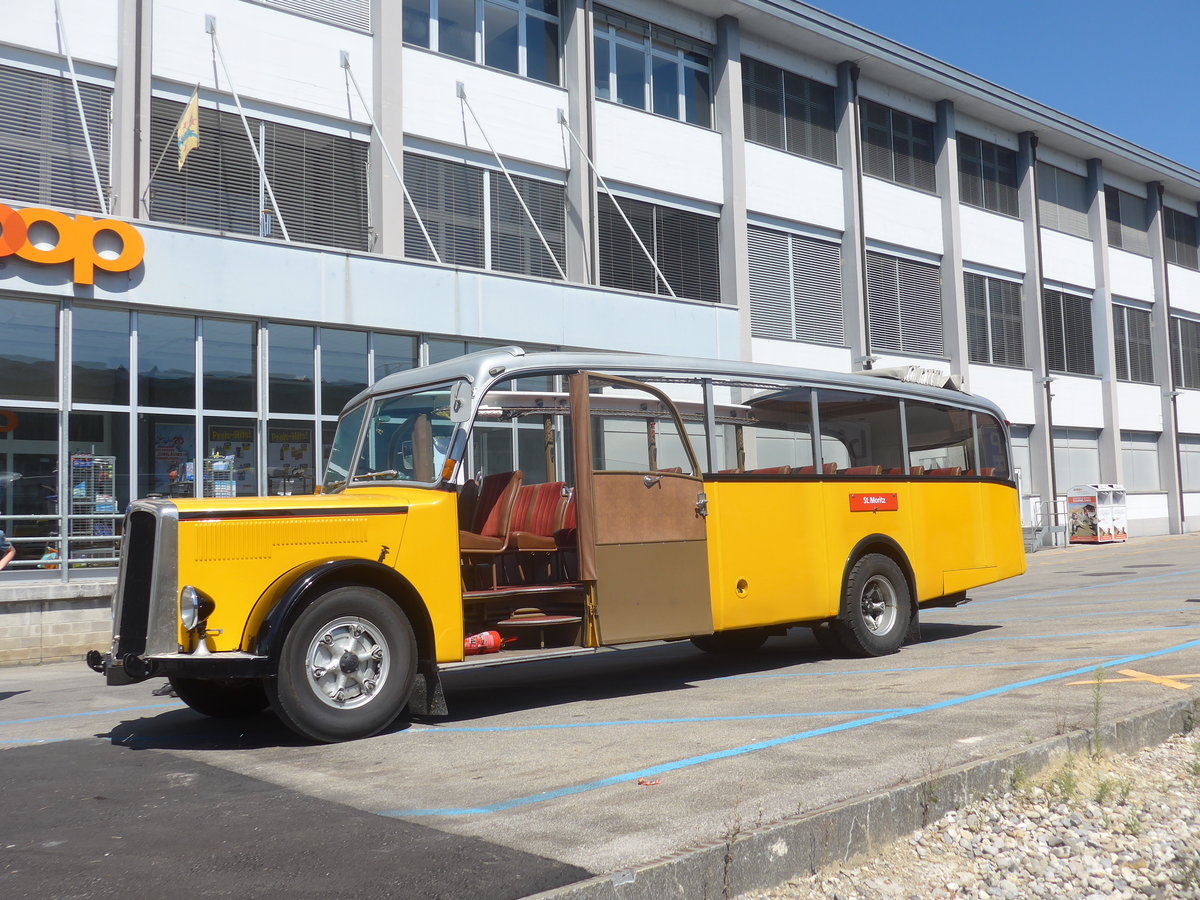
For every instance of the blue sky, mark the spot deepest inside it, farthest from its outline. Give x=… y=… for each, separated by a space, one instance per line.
x=1130 y=68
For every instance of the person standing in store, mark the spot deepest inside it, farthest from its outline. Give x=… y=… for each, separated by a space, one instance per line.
x=7 y=551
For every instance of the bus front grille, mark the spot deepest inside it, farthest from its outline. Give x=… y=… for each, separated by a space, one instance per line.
x=136 y=583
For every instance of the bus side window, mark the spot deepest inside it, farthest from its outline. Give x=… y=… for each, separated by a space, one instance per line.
x=860 y=432
x=940 y=438
x=993 y=449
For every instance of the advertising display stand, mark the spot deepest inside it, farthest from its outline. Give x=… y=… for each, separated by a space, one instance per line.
x=1096 y=514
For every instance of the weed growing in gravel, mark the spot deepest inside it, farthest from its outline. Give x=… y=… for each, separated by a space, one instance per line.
x=1018 y=779
x=1104 y=789
x=1133 y=825
x=1124 y=786
x=1193 y=765
x=1065 y=782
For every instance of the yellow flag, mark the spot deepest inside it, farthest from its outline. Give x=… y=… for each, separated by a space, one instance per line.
x=187 y=132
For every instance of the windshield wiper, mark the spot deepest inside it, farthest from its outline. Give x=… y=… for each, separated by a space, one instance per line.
x=375 y=476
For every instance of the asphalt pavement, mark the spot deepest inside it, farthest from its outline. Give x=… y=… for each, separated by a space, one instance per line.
x=586 y=776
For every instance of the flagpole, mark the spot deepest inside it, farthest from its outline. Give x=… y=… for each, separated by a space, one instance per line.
x=172 y=136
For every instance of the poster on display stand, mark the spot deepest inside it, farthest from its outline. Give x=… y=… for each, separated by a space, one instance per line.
x=236 y=444
x=289 y=461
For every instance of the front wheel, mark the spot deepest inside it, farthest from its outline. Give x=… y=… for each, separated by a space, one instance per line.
x=224 y=698
x=876 y=609
x=347 y=666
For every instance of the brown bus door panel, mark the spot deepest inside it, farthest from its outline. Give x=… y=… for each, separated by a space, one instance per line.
x=642 y=538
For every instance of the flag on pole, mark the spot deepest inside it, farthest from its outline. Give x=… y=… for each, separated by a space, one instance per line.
x=187 y=132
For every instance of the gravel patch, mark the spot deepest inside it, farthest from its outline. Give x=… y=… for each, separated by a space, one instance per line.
x=1121 y=827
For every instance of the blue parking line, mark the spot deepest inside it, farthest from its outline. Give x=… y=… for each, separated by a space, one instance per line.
x=1070 y=634
x=24 y=741
x=685 y=721
x=991 y=665
x=98 y=712
x=692 y=761
x=1092 y=614
x=1088 y=587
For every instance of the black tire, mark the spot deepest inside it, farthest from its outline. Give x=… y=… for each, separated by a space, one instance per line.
x=347 y=666
x=876 y=607
x=829 y=639
x=734 y=643
x=224 y=698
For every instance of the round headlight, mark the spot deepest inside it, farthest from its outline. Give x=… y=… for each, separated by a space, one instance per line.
x=189 y=607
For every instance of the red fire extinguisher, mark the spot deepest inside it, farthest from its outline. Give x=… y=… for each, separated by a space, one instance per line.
x=484 y=642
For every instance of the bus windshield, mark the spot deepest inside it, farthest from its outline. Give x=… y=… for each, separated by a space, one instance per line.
x=407 y=437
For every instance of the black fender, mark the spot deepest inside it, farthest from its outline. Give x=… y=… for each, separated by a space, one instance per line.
x=881 y=543
x=308 y=582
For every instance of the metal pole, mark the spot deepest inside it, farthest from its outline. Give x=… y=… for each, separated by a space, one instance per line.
x=562 y=120
x=388 y=153
x=462 y=95
x=210 y=25
x=87 y=138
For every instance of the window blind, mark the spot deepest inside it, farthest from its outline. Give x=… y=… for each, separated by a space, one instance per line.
x=685 y=247
x=449 y=196
x=1062 y=200
x=319 y=179
x=994 y=332
x=1181 y=244
x=904 y=307
x=795 y=287
x=43 y=156
x=1068 y=321
x=347 y=13
x=1185 y=352
x=987 y=175
x=897 y=146
x=1131 y=335
x=1126 y=215
x=515 y=245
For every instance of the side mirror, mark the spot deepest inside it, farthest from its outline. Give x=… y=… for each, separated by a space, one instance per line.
x=460 y=402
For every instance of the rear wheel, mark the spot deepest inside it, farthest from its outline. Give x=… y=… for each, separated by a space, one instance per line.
x=744 y=640
x=347 y=666
x=876 y=608
x=224 y=698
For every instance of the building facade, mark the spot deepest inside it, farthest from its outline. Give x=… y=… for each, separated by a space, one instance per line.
x=382 y=184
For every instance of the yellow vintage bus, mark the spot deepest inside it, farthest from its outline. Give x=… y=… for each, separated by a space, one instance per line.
x=506 y=506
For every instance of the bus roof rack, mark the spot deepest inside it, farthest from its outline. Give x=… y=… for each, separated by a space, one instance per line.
x=919 y=375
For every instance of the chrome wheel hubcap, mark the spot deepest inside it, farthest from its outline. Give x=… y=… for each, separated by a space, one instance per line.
x=348 y=662
x=879 y=605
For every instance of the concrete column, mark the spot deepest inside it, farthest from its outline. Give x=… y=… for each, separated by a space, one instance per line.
x=1160 y=343
x=854 y=258
x=1041 y=481
x=581 y=183
x=1103 y=344
x=954 y=311
x=131 y=148
x=735 y=262
x=384 y=190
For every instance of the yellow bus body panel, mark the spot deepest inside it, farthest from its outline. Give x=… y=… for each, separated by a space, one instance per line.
x=237 y=559
x=778 y=550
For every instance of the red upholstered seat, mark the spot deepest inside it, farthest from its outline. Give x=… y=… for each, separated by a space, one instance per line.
x=862 y=470
x=945 y=470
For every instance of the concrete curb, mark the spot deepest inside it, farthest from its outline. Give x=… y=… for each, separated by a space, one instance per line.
x=770 y=855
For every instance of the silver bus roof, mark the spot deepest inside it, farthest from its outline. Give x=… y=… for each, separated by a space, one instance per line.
x=484 y=367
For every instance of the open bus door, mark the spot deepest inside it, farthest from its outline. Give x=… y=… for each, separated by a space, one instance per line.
x=642 y=534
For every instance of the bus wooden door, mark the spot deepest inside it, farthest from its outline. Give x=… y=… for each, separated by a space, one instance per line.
x=642 y=532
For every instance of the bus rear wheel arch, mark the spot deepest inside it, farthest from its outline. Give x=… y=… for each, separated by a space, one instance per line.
x=347 y=665
x=876 y=608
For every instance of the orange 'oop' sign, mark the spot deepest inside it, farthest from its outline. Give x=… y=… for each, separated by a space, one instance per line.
x=76 y=241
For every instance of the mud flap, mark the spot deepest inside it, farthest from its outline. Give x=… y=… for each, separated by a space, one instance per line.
x=427 y=698
x=913 y=634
